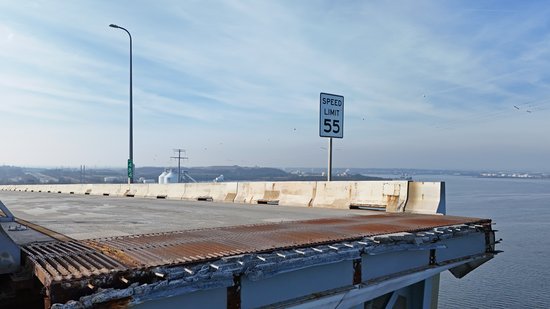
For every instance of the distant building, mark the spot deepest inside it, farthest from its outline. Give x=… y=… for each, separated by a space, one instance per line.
x=112 y=179
x=143 y=180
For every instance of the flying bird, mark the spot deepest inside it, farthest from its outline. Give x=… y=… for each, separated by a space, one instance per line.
x=516 y=107
x=529 y=111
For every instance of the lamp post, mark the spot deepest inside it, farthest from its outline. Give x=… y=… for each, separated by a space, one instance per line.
x=131 y=158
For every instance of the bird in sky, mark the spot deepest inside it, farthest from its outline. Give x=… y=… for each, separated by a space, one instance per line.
x=516 y=107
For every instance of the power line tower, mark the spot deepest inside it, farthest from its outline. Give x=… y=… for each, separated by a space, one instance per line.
x=82 y=173
x=179 y=158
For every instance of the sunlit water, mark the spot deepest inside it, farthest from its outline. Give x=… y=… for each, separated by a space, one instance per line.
x=519 y=277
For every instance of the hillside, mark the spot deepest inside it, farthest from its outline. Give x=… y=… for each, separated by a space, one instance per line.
x=22 y=175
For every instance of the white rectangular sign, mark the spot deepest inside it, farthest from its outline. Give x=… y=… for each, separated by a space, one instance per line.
x=331 y=115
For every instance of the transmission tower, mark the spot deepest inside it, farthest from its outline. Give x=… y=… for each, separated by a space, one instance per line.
x=82 y=173
x=179 y=158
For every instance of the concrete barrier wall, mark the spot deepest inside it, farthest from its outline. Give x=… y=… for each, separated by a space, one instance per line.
x=79 y=189
x=391 y=196
x=137 y=190
x=251 y=192
x=384 y=195
x=172 y=191
x=288 y=193
x=158 y=191
x=68 y=189
x=119 y=190
x=102 y=189
x=334 y=194
x=292 y=193
x=426 y=197
x=218 y=192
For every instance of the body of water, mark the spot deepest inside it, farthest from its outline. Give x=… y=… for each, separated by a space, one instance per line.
x=518 y=277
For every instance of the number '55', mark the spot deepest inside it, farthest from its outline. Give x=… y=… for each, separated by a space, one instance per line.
x=331 y=125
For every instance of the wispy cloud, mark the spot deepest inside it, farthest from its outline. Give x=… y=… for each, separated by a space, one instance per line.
x=440 y=78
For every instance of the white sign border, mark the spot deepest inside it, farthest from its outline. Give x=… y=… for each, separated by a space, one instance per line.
x=321 y=116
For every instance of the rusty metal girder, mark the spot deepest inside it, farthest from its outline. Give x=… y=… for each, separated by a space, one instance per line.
x=69 y=269
x=58 y=261
x=149 y=250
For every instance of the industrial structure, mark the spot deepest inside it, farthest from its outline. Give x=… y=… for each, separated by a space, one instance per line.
x=370 y=244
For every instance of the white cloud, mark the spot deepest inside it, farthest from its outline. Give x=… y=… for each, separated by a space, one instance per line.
x=415 y=75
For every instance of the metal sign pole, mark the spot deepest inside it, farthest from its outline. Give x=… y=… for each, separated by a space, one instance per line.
x=329 y=170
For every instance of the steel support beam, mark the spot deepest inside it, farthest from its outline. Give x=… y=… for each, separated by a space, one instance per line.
x=359 y=294
x=10 y=254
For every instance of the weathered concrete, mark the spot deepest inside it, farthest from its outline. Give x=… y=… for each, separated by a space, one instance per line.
x=218 y=192
x=334 y=194
x=88 y=216
x=426 y=197
x=391 y=196
x=174 y=191
x=295 y=193
x=250 y=192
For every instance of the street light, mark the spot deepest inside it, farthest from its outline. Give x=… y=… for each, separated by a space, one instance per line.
x=131 y=159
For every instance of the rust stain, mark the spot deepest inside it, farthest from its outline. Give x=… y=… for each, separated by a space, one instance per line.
x=56 y=261
x=115 y=253
x=374 y=228
x=271 y=194
x=43 y=230
x=198 y=245
x=62 y=261
x=230 y=197
x=326 y=221
x=391 y=201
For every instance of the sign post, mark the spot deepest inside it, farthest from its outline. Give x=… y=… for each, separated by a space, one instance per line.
x=331 y=122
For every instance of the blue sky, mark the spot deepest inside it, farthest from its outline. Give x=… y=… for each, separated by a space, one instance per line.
x=427 y=84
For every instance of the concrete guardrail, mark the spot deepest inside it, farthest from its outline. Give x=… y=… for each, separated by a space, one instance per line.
x=389 y=196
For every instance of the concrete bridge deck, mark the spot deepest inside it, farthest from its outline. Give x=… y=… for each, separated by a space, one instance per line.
x=88 y=216
x=89 y=250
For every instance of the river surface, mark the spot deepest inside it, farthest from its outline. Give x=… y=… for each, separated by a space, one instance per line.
x=519 y=277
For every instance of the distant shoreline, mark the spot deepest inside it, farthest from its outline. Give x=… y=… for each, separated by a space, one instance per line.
x=33 y=175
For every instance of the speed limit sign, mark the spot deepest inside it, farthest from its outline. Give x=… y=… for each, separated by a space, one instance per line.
x=331 y=115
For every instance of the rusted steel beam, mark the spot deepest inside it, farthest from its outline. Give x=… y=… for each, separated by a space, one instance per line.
x=70 y=269
x=59 y=265
x=149 y=250
x=43 y=230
